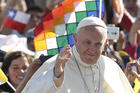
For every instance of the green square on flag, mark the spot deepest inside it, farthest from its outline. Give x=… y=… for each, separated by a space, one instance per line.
x=71 y=28
x=52 y=51
x=80 y=15
x=62 y=41
x=91 y=6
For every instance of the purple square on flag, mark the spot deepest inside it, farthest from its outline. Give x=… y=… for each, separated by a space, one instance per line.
x=11 y=13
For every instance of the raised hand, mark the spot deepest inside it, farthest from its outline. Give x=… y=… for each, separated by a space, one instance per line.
x=61 y=61
x=132 y=75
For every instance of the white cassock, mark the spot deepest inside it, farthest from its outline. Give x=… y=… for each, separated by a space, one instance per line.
x=103 y=77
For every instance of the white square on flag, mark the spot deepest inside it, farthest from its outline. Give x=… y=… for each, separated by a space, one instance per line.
x=51 y=43
x=80 y=6
x=70 y=17
x=22 y=17
x=60 y=30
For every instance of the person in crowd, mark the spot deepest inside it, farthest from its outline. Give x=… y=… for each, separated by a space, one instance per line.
x=2 y=55
x=35 y=19
x=16 y=4
x=132 y=44
x=132 y=72
x=132 y=7
x=14 y=66
x=81 y=68
x=34 y=66
x=30 y=37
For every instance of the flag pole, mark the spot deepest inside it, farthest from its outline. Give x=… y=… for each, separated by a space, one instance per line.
x=100 y=11
x=11 y=86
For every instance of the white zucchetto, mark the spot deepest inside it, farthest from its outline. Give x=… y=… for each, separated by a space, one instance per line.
x=91 y=21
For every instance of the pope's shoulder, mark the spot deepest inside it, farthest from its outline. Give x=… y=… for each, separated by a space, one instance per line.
x=108 y=61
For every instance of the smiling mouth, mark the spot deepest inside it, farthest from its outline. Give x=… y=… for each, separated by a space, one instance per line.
x=92 y=54
x=20 y=77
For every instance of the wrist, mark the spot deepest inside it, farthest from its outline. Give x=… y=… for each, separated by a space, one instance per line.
x=58 y=80
x=57 y=75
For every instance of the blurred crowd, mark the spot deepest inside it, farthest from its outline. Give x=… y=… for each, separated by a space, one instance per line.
x=125 y=51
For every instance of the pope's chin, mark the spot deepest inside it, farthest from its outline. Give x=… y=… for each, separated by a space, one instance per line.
x=88 y=59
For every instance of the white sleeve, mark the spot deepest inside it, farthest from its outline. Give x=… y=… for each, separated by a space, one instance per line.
x=125 y=82
x=45 y=84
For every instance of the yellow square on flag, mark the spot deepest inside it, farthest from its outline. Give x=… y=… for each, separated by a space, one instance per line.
x=40 y=45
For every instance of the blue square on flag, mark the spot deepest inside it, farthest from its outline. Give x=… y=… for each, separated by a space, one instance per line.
x=92 y=13
x=70 y=40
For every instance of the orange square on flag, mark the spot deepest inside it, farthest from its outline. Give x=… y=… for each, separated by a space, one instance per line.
x=48 y=24
x=40 y=36
x=59 y=20
x=40 y=45
x=50 y=33
x=68 y=6
x=58 y=12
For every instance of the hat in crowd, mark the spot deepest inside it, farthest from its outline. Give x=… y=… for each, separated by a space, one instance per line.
x=125 y=57
x=91 y=21
x=30 y=33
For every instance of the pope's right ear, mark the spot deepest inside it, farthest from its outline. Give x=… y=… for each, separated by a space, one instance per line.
x=75 y=37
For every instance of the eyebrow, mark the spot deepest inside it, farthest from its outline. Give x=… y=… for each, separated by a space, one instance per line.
x=14 y=65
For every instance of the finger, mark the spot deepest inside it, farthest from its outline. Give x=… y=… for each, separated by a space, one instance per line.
x=64 y=51
x=138 y=62
x=64 y=55
x=128 y=66
x=135 y=74
x=37 y=61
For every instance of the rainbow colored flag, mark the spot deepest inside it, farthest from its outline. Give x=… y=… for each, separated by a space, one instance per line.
x=56 y=29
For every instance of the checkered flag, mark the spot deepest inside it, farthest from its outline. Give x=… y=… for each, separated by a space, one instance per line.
x=56 y=29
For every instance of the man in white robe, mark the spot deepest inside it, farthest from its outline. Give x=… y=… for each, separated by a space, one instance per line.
x=82 y=68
